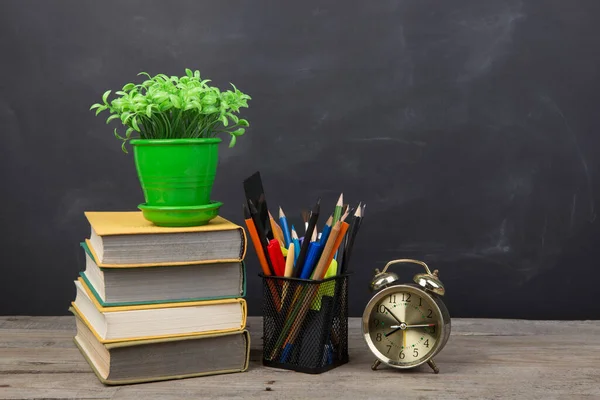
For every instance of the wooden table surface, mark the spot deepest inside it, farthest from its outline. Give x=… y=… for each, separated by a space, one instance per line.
x=483 y=359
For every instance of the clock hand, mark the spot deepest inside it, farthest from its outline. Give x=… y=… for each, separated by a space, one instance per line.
x=412 y=326
x=392 y=314
x=394 y=331
x=404 y=338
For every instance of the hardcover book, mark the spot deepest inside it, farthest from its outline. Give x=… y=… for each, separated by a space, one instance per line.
x=120 y=239
x=146 y=360
x=113 y=324
x=163 y=284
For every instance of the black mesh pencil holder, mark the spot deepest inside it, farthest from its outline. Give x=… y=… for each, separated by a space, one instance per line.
x=305 y=323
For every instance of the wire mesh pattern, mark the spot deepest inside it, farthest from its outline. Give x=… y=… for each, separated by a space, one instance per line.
x=305 y=323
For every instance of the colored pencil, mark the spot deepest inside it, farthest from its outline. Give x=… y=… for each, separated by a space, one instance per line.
x=289 y=262
x=256 y=241
x=296 y=244
x=276 y=256
x=337 y=212
x=314 y=216
x=284 y=226
x=261 y=235
x=326 y=230
x=277 y=232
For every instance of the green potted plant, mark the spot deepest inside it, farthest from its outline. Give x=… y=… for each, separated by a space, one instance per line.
x=173 y=124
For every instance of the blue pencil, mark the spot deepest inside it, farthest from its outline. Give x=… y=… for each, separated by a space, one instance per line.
x=314 y=251
x=284 y=227
x=296 y=244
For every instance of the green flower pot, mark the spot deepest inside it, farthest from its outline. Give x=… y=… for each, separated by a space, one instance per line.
x=176 y=172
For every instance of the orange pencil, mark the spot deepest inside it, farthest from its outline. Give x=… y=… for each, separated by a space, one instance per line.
x=256 y=242
x=260 y=254
x=277 y=232
x=338 y=241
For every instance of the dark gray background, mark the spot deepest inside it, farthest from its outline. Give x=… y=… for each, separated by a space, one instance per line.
x=468 y=127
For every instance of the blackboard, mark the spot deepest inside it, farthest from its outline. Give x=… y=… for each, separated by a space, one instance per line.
x=468 y=127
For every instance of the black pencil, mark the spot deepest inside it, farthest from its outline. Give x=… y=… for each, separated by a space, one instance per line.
x=353 y=231
x=312 y=222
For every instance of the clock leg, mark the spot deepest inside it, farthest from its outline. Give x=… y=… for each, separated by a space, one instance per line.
x=434 y=367
x=375 y=365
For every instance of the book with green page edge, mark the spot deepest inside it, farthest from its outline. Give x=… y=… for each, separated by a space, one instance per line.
x=155 y=284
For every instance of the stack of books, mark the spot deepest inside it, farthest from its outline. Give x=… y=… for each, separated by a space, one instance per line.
x=158 y=303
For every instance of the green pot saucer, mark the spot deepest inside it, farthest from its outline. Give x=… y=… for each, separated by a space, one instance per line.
x=181 y=216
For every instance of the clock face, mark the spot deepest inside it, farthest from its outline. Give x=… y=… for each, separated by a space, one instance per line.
x=404 y=326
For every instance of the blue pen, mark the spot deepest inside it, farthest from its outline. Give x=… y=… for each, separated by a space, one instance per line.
x=314 y=250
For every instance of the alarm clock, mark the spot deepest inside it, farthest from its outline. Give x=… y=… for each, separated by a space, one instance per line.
x=406 y=324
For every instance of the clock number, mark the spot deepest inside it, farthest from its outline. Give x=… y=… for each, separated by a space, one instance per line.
x=430 y=315
x=389 y=346
x=402 y=355
x=381 y=309
x=426 y=343
x=420 y=302
x=376 y=322
x=378 y=337
x=407 y=299
x=415 y=353
x=432 y=329
x=393 y=298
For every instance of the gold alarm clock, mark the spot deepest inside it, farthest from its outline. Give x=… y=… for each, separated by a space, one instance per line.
x=406 y=324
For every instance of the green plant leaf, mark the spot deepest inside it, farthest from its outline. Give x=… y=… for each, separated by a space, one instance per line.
x=175 y=107
x=100 y=109
x=135 y=124
x=175 y=100
x=114 y=116
x=209 y=99
x=117 y=135
x=105 y=97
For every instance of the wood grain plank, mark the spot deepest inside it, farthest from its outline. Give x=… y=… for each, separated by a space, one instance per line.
x=483 y=359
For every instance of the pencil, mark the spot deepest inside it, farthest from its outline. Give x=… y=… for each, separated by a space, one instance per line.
x=289 y=268
x=285 y=228
x=296 y=244
x=305 y=218
x=326 y=230
x=337 y=212
x=261 y=255
x=289 y=262
x=277 y=232
x=356 y=221
x=314 y=215
x=256 y=241
x=320 y=269
x=264 y=242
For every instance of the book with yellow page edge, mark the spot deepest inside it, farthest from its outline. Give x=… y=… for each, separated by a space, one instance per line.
x=146 y=360
x=127 y=239
x=152 y=321
x=163 y=284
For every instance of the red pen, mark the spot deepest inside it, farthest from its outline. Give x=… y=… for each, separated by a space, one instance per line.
x=276 y=257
